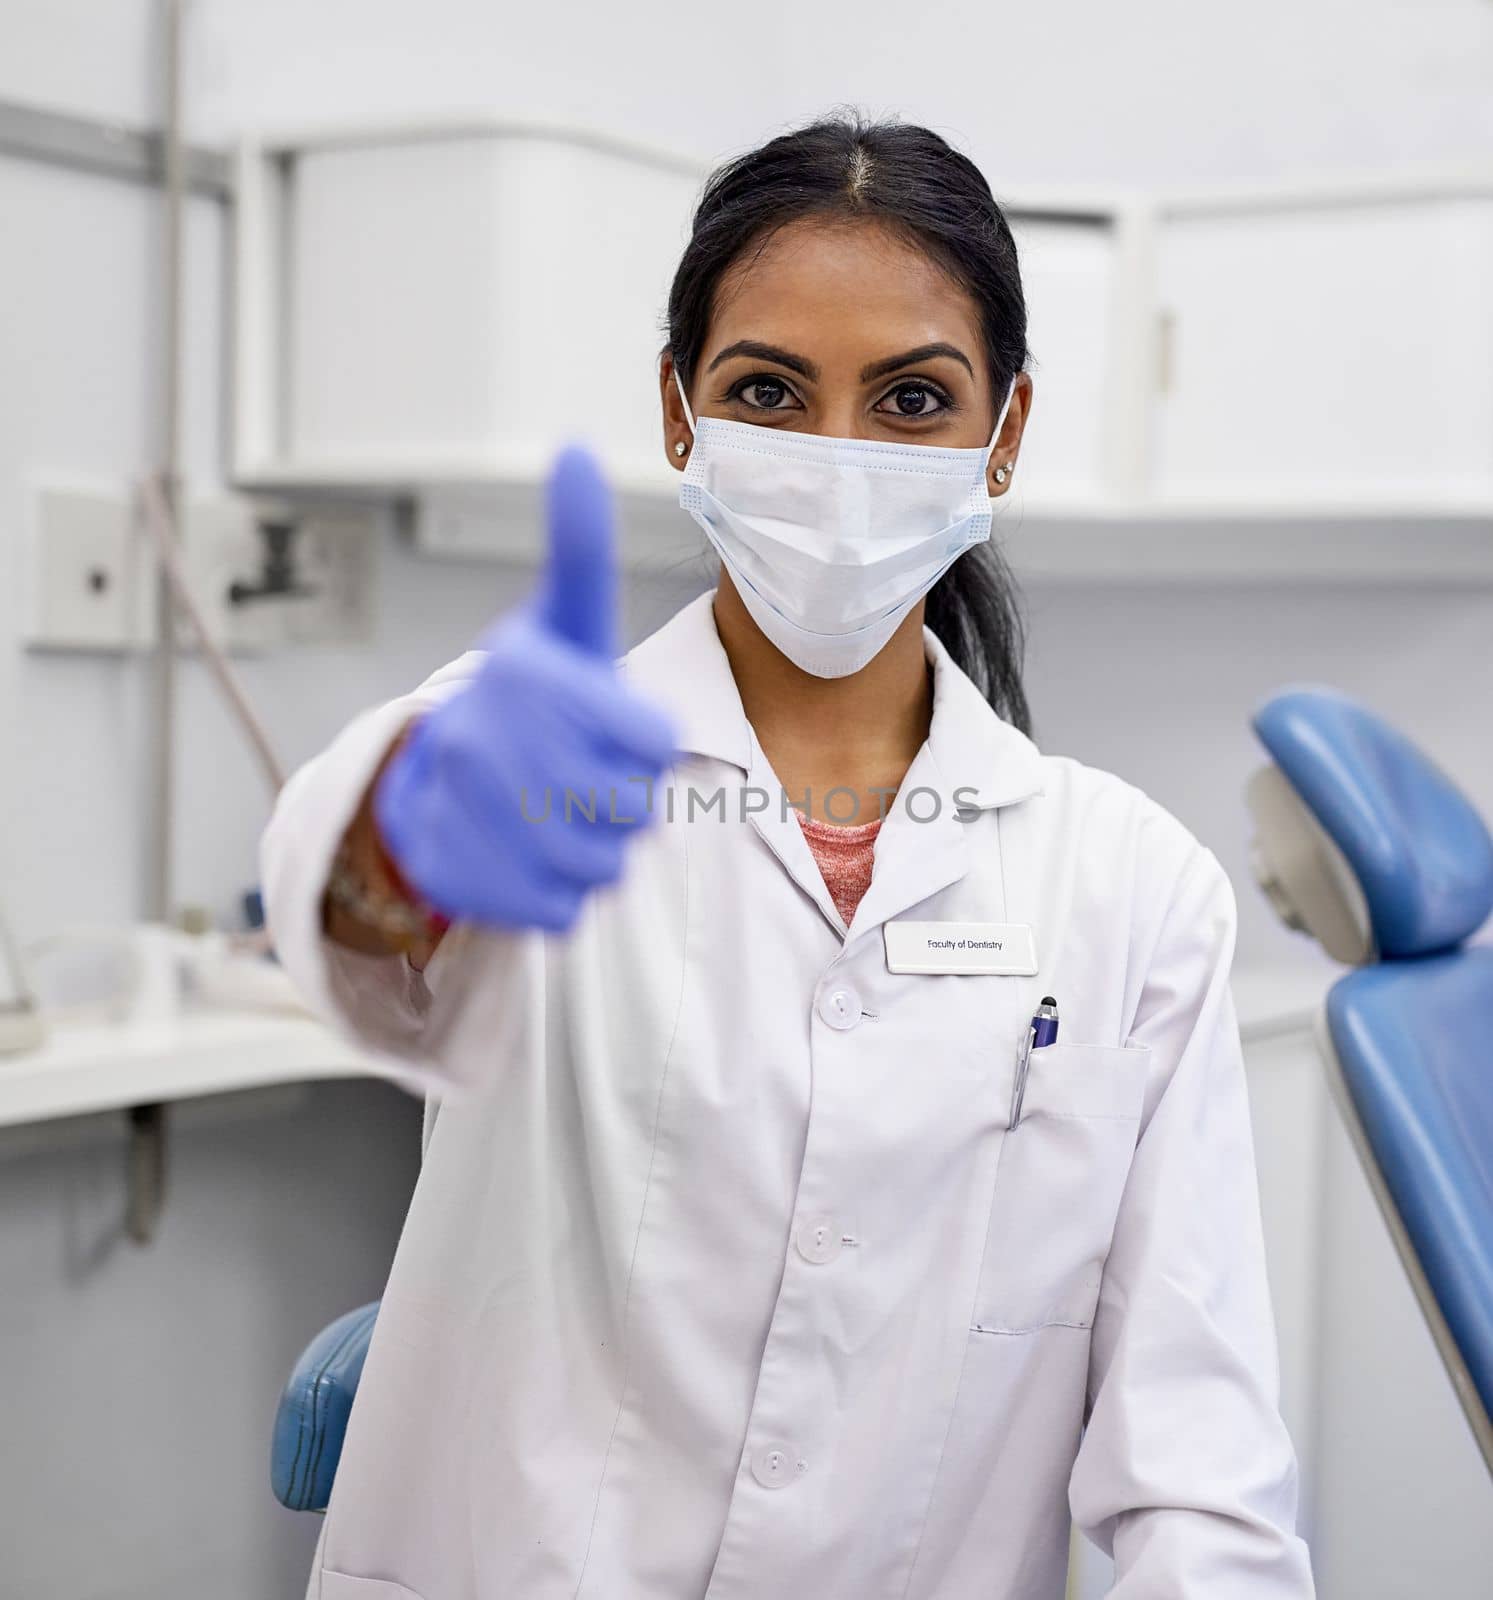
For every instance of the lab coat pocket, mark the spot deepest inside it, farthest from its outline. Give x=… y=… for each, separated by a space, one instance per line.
x=1058 y=1183
x=343 y=1586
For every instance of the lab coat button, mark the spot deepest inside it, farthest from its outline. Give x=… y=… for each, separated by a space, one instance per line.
x=775 y=1466
x=818 y=1240
x=840 y=1008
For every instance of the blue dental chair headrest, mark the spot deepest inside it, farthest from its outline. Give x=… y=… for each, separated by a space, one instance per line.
x=1365 y=843
x=1421 y=854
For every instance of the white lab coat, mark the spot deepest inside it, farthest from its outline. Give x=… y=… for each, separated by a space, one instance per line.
x=732 y=1281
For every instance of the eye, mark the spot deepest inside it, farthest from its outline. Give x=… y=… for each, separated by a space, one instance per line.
x=763 y=392
x=915 y=398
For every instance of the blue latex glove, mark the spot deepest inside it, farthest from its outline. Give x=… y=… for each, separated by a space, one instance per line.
x=547 y=713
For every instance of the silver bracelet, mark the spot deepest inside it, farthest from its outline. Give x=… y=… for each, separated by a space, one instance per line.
x=396 y=919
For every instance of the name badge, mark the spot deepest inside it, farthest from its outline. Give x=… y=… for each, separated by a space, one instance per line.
x=1000 y=949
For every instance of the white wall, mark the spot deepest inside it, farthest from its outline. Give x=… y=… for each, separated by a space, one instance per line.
x=96 y=57
x=1159 y=683
x=1067 y=90
x=1155 y=683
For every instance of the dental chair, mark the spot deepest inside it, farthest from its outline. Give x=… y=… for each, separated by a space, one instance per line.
x=1363 y=843
x=311 y=1421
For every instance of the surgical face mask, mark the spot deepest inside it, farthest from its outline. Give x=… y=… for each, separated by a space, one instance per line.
x=831 y=542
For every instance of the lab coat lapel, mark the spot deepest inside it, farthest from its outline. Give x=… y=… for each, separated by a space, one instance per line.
x=685 y=668
x=780 y=828
x=972 y=761
x=922 y=847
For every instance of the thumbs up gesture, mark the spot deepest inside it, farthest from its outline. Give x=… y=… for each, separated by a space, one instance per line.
x=473 y=807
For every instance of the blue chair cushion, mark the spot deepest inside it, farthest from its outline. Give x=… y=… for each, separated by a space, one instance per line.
x=1422 y=854
x=1415 y=1043
x=312 y=1419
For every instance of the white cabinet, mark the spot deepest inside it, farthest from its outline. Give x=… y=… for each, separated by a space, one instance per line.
x=1338 y=353
x=439 y=308
x=444 y=307
x=1069 y=274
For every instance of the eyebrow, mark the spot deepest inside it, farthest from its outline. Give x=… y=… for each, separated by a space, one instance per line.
x=877 y=369
x=767 y=352
x=909 y=358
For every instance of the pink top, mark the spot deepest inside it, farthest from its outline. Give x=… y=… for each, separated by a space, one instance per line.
x=844 y=858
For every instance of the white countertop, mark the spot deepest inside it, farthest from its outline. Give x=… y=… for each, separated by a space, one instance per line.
x=84 y=1068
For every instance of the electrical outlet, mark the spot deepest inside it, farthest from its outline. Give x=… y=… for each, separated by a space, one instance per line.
x=93 y=573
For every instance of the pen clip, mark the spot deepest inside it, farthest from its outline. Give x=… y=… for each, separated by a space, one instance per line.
x=1023 y=1063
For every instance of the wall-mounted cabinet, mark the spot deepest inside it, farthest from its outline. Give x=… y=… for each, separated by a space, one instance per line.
x=442 y=306
x=1330 y=350
x=431 y=311
x=1074 y=273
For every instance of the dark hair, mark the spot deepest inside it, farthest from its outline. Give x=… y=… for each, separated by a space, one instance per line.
x=909 y=179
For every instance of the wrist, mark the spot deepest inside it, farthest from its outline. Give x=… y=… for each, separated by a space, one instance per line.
x=367 y=889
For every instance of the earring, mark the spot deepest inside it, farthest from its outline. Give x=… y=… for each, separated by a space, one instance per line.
x=1000 y=474
x=679 y=447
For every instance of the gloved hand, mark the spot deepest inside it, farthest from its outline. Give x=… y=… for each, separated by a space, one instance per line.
x=460 y=805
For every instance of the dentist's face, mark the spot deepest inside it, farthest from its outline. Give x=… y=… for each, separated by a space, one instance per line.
x=847 y=329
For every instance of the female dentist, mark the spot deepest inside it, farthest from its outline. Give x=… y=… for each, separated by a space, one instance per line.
x=759 y=1256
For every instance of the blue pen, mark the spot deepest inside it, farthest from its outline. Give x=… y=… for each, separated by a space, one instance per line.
x=1043 y=1031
